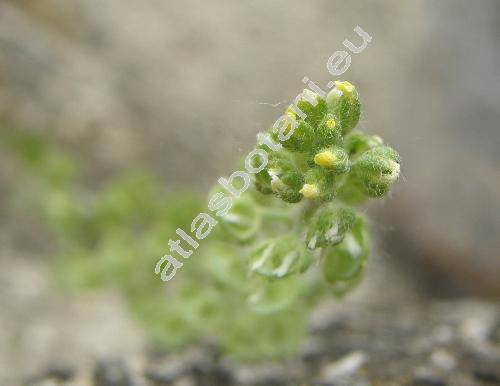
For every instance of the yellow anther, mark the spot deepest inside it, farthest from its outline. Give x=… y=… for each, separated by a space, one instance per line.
x=290 y=112
x=346 y=87
x=309 y=191
x=331 y=123
x=325 y=158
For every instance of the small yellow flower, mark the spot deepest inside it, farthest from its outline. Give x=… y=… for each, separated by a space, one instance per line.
x=346 y=87
x=325 y=158
x=309 y=191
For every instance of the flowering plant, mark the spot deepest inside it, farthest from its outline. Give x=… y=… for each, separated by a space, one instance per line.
x=293 y=239
x=301 y=215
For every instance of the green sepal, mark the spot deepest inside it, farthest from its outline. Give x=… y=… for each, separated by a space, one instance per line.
x=346 y=260
x=262 y=182
x=351 y=191
x=285 y=178
x=314 y=114
x=225 y=266
x=281 y=257
x=243 y=220
x=293 y=181
x=328 y=132
x=334 y=158
x=324 y=180
x=358 y=142
x=274 y=296
x=302 y=139
x=346 y=107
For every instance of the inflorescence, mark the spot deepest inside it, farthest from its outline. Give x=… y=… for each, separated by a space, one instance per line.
x=314 y=156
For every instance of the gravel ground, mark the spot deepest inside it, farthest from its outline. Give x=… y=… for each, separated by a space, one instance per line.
x=436 y=343
x=379 y=335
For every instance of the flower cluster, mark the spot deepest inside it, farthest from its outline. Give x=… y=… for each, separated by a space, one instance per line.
x=294 y=238
x=329 y=167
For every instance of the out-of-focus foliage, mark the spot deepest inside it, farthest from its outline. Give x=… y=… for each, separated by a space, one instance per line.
x=252 y=283
x=111 y=237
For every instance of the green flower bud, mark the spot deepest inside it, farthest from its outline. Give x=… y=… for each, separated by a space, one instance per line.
x=278 y=258
x=319 y=184
x=378 y=169
x=314 y=112
x=301 y=140
x=281 y=160
x=263 y=182
x=334 y=158
x=344 y=102
x=280 y=166
x=328 y=132
x=262 y=179
x=288 y=187
x=346 y=260
x=243 y=220
x=329 y=226
x=358 y=142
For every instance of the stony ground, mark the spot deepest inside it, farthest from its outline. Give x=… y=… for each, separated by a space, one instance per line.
x=388 y=332
x=431 y=344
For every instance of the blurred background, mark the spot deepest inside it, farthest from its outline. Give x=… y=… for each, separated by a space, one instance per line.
x=180 y=89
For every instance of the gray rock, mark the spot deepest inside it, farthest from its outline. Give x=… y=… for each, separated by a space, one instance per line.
x=61 y=372
x=112 y=373
x=270 y=374
x=344 y=368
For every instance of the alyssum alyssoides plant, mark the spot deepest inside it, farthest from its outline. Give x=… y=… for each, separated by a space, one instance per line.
x=294 y=239
x=329 y=168
x=297 y=236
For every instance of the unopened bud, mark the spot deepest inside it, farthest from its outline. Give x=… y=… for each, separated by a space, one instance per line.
x=301 y=140
x=378 y=169
x=328 y=132
x=319 y=184
x=343 y=102
x=263 y=182
x=330 y=123
x=334 y=158
x=287 y=185
x=358 y=142
x=325 y=158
